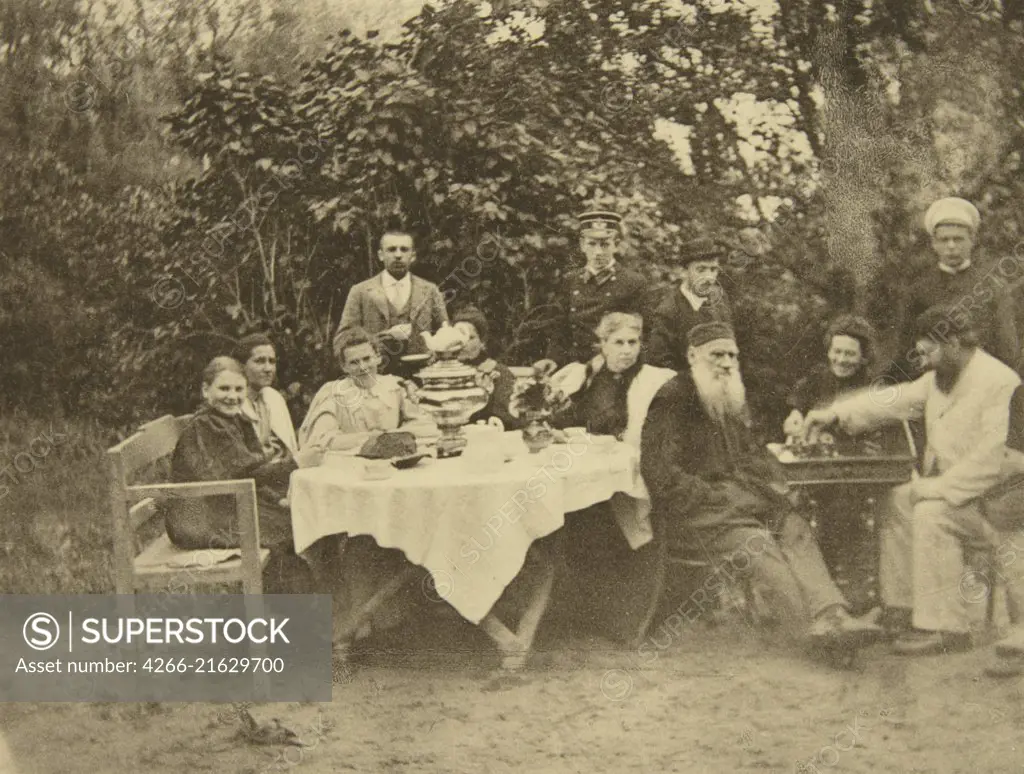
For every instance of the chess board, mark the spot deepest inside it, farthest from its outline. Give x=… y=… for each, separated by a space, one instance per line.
x=889 y=458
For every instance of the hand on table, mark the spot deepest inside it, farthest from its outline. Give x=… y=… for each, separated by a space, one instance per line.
x=545 y=367
x=816 y=421
x=310 y=457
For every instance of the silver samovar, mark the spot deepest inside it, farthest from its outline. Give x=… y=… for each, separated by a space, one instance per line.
x=452 y=391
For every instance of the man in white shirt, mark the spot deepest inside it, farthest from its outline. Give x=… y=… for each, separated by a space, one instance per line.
x=395 y=306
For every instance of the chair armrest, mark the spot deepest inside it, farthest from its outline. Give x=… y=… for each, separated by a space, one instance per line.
x=195 y=489
x=247 y=518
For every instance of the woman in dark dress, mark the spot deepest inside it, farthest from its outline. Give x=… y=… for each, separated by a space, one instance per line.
x=220 y=443
x=849 y=350
x=844 y=538
x=615 y=561
x=473 y=324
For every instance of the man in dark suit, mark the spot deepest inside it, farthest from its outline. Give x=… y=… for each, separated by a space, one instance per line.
x=395 y=306
x=601 y=286
x=699 y=299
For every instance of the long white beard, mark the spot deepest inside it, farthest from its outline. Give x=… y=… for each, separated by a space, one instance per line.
x=722 y=396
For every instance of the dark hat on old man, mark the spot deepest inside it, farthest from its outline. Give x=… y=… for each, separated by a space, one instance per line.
x=701 y=249
x=700 y=335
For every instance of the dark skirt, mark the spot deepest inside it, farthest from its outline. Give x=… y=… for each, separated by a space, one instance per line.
x=213 y=523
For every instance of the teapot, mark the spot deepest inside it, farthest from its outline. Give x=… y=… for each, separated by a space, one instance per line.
x=448 y=339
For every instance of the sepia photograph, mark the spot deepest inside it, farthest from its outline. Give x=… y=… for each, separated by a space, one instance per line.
x=490 y=386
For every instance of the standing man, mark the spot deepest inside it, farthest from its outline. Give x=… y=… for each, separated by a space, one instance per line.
x=395 y=306
x=958 y=276
x=700 y=299
x=600 y=287
x=964 y=397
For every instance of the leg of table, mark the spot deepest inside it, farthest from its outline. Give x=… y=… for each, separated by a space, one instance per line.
x=344 y=638
x=515 y=646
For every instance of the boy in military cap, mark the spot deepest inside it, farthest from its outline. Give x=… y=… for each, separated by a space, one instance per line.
x=600 y=287
x=699 y=299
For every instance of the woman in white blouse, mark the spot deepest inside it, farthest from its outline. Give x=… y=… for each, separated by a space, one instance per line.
x=264 y=406
x=347 y=412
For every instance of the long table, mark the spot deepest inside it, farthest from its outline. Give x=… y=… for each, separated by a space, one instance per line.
x=470 y=530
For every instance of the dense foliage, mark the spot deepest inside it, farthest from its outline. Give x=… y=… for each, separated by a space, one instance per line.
x=190 y=189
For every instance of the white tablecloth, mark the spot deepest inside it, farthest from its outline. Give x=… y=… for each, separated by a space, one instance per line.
x=471 y=531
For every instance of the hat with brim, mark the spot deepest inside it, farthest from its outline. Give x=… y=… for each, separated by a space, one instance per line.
x=702 y=249
x=600 y=223
x=952 y=211
x=704 y=333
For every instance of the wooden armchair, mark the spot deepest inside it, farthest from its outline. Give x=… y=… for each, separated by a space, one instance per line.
x=160 y=564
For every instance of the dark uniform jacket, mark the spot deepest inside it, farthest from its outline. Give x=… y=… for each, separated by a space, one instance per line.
x=979 y=290
x=671 y=322
x=587 y=300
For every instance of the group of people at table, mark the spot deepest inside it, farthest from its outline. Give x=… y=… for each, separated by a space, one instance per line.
x=665 y=378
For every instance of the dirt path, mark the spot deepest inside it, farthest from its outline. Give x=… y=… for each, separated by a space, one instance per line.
x=713 y=701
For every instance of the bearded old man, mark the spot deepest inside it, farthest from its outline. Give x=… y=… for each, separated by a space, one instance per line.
x=964 y=398
x=719 y=495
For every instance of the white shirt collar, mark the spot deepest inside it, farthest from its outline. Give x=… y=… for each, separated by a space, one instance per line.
x=402 y=284
x=955 y=270
x=381 y=386
x=695 y=301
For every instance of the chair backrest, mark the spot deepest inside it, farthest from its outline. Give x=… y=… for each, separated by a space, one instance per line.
x=153 y=442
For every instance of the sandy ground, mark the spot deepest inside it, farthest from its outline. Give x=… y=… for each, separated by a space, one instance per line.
x=721 y=699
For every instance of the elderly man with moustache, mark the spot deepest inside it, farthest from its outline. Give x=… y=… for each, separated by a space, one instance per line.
x=964 y=397
x=720 y=496
x=395 y=306
x=957 y=274
x=698 y=299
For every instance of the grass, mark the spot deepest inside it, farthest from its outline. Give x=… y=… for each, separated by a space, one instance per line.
x=55 y=535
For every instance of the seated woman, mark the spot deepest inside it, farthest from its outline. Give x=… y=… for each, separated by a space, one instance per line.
x=219 y=444
x=616 y=584
x=347 y=412
x=846 y=542
x=849 y=350
x=264 y=406
x=473 y=324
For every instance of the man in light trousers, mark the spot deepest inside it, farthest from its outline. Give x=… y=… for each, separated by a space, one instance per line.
x=964 y=398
